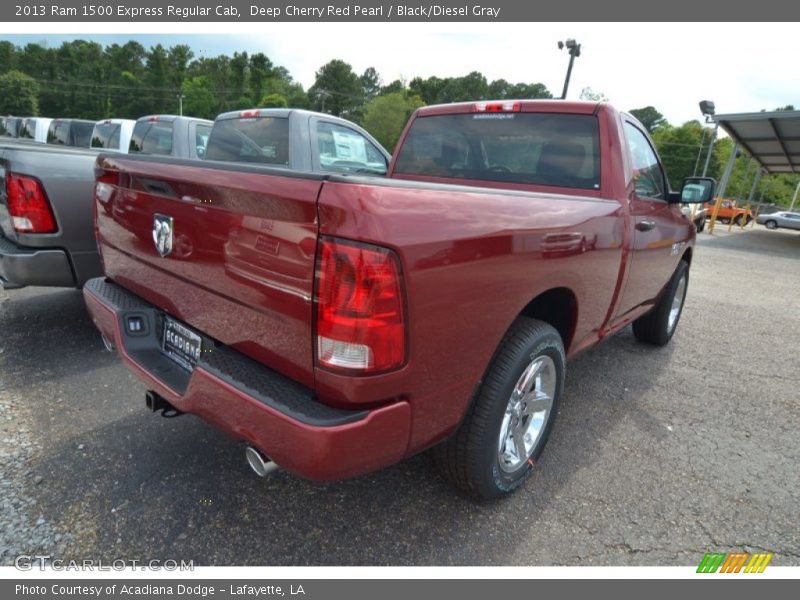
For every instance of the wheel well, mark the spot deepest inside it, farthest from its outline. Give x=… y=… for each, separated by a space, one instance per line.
x=557 y=307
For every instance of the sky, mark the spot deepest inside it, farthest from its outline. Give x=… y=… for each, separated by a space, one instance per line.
x=742 y=67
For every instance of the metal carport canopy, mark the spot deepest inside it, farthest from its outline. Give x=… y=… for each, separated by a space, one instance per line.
x=771 y=138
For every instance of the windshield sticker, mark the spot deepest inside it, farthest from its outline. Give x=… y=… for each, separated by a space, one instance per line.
x=500 y=116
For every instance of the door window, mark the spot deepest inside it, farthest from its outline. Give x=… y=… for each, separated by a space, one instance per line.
x=648 y=176
x=343 y=149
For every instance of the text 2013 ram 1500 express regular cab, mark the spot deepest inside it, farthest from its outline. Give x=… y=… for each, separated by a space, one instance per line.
x=345 y=322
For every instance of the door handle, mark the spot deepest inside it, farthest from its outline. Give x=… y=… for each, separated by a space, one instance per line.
x=646 y=225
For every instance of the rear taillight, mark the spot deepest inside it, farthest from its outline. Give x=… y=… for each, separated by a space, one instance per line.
x=28 y=206
x=505 y=106
x=360 y=308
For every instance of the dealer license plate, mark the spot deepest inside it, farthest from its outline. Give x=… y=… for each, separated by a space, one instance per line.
x=181 y=344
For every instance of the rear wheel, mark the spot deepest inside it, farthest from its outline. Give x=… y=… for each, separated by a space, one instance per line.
x=738 y=220
x=657 y=326
x=507 y=425
x=771 y=224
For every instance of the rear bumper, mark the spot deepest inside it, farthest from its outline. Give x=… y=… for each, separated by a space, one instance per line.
x=20 y=266
x=250 y=401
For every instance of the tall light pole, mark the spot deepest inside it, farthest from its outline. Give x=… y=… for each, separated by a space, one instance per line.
x=180 y=104
x=323 y=94
x=574 y=50
x=707 y=109
x=699 y=152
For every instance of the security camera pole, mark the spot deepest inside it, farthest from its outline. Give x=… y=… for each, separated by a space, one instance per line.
x=574 y=50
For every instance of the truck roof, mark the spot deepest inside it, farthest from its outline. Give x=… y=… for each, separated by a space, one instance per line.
x=170 y=118
x=549 y=105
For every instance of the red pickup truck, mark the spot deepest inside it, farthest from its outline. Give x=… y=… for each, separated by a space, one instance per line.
x=340 y=323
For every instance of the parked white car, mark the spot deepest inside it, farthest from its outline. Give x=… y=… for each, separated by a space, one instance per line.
x=113 y=134
x=789 y=220
x=35 y=128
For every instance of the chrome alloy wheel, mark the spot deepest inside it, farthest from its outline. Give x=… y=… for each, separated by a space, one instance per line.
x=677 y=303
x=527 y=413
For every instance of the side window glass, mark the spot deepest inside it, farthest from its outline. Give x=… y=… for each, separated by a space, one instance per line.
x=346 y=150
x=201 y=133
x=647 y=174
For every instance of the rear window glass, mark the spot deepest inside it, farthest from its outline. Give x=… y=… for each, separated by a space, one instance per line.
x=106 y=135
x=81 y=134
x=58 y=133
x=152 y=137
x=260 y=140
x=28 y=129
x=9 y=126
x=529 y=148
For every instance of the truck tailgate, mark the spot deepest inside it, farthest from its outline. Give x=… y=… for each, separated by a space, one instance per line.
x=241 y=263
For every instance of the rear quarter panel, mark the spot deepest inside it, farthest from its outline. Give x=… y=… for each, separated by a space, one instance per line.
x=472 y=259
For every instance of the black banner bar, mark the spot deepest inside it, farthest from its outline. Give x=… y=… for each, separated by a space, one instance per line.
x=338 y=589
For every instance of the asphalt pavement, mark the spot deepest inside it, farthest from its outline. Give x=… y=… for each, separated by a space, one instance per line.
x=657 y=456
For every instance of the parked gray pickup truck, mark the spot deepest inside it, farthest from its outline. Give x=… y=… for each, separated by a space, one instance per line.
x=46 y=235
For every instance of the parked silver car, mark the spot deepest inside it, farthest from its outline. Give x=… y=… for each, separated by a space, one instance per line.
x=789 y=220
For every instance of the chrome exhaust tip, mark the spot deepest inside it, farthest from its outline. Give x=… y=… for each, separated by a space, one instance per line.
x=261 y=465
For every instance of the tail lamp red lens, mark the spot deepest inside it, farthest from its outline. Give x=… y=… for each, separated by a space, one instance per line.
x=360 y=308
x=28 y=205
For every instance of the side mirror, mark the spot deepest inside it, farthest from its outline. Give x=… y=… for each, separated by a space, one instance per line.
x=697 y=190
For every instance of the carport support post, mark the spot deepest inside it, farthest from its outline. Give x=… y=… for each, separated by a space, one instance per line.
x=744 y=179
x=797 y=189
x=752 y=193
x=754 y=186
x=726 y=175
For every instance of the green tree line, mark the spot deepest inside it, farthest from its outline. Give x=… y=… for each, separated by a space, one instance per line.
x=684 y=150
x=83 y=79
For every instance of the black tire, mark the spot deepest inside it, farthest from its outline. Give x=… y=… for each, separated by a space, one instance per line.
x=470 y=458
x=771 y=224
x=655 y=327
x=724 y=221
x=738 y=220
